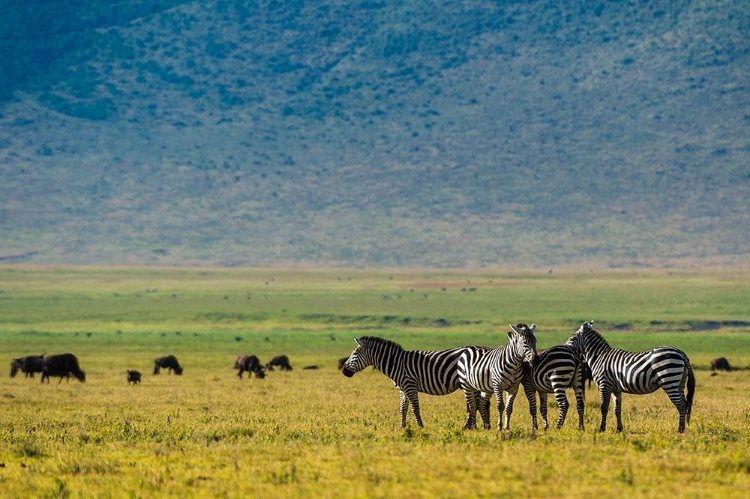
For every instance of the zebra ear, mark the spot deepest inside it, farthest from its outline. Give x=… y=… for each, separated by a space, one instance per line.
x=356 y=340
x=514 y=329
x=511 y=333
x=532 y=328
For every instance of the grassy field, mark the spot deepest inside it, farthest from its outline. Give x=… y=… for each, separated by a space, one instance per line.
x=315 y=433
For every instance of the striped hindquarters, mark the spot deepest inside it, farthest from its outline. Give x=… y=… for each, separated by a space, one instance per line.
x=435 y=372
x=555 y=369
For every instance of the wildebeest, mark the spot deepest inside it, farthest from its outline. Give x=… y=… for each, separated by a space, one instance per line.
x=280 y=361
x=250 y=364
x=134 y=377
x=720 y=364
x=28 y=365
x=62 y=365
x=168 y=362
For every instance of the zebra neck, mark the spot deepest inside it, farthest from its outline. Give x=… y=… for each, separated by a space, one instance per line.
x=389 y=363
x=595 y=346
x=514 y=359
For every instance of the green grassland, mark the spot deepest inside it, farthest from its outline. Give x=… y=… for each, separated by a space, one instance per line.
x=315 y=433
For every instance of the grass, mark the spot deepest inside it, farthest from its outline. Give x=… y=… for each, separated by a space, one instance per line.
x=319 y=434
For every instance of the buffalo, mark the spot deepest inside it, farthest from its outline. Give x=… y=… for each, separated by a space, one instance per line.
x=134 y=377
x=62 y=365
x=280 y=361
x=720 y=364
x=251 y=365
x=169 y=362
x=28 y=365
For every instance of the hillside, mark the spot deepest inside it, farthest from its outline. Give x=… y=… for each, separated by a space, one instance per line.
x=366 y=133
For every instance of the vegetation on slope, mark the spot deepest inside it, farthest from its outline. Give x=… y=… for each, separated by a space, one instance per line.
x=376 y=133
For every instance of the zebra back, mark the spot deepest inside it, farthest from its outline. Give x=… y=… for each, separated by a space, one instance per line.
x=432 y=371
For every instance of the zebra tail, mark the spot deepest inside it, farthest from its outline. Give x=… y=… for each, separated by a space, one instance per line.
x=690 y=391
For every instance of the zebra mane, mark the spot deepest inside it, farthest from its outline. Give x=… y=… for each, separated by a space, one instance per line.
x=597 y=335
x=591 y=332
x=376 y=340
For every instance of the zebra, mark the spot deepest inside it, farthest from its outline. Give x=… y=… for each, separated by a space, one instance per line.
x=412 y=371
x=557 y=368
x=481 y=369
x=618 y=371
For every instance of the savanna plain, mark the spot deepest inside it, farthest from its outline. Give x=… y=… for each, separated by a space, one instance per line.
x=316 y=433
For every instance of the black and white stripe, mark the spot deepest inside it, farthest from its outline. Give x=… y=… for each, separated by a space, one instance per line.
x=618 y=371
x=556 y=369
x=412 y=371
x=481 y=369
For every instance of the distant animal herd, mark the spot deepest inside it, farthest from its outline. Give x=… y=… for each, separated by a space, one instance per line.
x=479 y=371
x=66 y=365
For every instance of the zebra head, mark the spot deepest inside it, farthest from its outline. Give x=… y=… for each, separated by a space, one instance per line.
x=578 y=340
x=358 y=359
x=522 y=336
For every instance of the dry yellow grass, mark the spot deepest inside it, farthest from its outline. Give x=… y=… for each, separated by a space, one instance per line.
x=319 y=434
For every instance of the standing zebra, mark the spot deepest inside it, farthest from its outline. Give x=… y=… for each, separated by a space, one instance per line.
x=481 y=369
x=618 y=371
x=557 y=368
x=412 y=371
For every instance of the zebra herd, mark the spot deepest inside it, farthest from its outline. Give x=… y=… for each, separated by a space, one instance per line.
x=482 y=371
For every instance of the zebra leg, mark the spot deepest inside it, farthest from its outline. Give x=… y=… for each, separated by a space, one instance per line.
x=677 y=396
x=528 y=389
x=509 y=405
x=500 y=406
x=413 y=397
x=606 y=393
x=483 y=402
x=543 y=408
x=404 y=401
x=580 y=405
x=471 y=396
x=618 y=409
x=562 y=403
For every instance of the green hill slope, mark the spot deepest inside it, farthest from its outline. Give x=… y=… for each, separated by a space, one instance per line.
x=407 y=133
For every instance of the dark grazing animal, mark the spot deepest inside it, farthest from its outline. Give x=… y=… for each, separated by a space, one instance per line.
x=482 y=369
x=720 y=364
x=169 y=362
x=619 y=371
x=134 y=377
x=586 y=374
x=412 y=371
x=28 y=365
x=62 y=365
x=249 y=364
x=280 y=361
x=557 y=368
